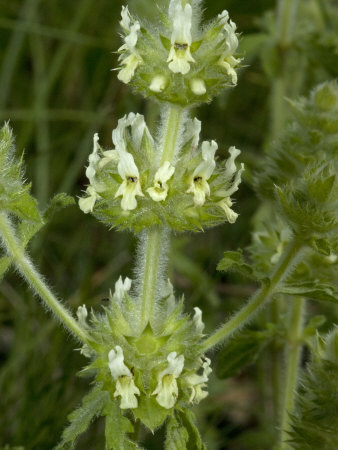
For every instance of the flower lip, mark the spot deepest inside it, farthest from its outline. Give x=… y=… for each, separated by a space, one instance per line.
x=199 y=183
x=167 y=390
x=159 y=191
x=131 y=186
x=181 y=39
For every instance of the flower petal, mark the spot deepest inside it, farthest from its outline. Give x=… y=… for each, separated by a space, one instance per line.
x=116 y=363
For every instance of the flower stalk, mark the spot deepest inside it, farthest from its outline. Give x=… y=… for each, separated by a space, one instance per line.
x=35 y=280
x=262 y=296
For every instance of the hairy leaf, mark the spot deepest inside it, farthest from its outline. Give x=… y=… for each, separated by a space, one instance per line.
x=80 y=419
x=150 y=412
x=117 y=427
x=188 y=420
x=315 y=422
x=240 y=352
x=234 y=261
x=177 y=435
x=311 y=289
x=58 y=202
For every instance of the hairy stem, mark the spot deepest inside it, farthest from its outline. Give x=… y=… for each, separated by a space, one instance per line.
x=276 y=360
x=264 y=294
x=286 y=19
x=293 y=350
x=35 y=280
x=285 y=24
x=154 y=253
x=171 y=135
x=153 y=249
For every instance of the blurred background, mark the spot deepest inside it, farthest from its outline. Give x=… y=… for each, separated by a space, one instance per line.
x=57 y=88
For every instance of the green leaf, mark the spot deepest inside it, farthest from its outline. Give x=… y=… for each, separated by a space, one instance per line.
x=188 y=420
x=311 y=289
x=150 y=412
x=80 y=419
x=322 y=246
x=24 y=206
x=27 y=230
x=234 y=261
x=240 y=352
x=314 y=425
x=177 y=435
x=312 y=327
x=117 y=427
x=58 y=202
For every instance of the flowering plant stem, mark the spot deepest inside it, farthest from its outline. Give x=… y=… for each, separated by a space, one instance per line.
x=286 y=19
x=264 y=294
x=35 y=280
x=155 y=246
x=175 y=118
x=152 y=261
x=293 y=349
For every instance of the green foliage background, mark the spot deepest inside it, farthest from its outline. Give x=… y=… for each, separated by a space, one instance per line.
x=57 y=89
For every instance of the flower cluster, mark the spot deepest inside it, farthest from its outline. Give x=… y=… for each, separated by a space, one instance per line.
x=130 y=188
x=138 y=364
x=177 y=62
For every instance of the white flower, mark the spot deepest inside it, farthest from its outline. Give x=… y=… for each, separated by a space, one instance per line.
x=108 y=156
x=94 y=158
x=180 y=55
x=122 y=287
x=138 y=128
x=199 y=183
x=230 y=166
x=198 y=87
x=228 y=61
x=159 y=191
x=192 y=131
x=230 y=170
x=129 y=57
x=125 y=386
x=126 y=389
x=198 y=382
x=82 y=315
x=226 y=205
x=158 y=83
x=167 y=390
x=131 y=186
x=87 y=204
x=197 y=319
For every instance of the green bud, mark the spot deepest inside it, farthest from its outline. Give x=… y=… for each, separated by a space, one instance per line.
x=326 y=96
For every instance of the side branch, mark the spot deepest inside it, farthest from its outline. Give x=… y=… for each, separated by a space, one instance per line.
x=293 y=352
x=35 y=280
x=264 y=294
